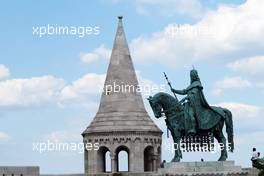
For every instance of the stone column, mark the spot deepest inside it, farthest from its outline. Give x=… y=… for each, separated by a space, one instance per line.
x=113 y=162
x=154 y=162
x=86 y=160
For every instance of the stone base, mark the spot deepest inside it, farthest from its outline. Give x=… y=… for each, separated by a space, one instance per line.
x=202 y=168
x=211 y=168
x=19 y=170
x=127 y=174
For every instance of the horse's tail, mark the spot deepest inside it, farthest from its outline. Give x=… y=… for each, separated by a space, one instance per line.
x=229 y=129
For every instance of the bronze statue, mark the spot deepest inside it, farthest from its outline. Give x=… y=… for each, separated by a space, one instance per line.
x=192 y=120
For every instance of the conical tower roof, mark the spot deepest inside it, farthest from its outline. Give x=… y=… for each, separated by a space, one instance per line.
x=121 y=107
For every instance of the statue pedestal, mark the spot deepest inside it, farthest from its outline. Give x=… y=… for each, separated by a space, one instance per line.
x=202 y=168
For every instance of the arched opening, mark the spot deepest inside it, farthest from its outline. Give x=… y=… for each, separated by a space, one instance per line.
x=148 y=159
x=107 y=162
x=122 y=157
x=104 y=160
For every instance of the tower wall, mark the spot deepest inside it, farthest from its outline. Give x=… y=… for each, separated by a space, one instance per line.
x=135 y=142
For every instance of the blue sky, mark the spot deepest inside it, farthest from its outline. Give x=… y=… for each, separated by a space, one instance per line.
x=49 y=85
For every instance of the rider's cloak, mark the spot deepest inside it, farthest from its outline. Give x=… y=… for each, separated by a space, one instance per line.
x=203 y=111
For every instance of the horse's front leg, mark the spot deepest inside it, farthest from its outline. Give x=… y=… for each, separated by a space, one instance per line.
x=177 y=149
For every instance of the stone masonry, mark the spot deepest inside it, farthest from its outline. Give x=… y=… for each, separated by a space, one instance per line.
x=19 y=171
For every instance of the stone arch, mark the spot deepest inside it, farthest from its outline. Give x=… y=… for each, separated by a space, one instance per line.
x=117 y=151
x=149 y=159
x=103 y=159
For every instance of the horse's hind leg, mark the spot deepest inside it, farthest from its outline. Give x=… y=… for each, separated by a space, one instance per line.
x=221 y=141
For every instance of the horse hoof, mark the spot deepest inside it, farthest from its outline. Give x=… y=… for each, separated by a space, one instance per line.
x=175 y=160
x=222 y=159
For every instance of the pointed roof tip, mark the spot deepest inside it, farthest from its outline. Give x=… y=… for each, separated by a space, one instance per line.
x=120 y=20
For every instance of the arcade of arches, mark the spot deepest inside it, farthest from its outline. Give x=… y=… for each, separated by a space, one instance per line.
x=106 y=163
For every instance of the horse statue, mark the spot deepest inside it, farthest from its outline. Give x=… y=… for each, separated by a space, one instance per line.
x=163 y=103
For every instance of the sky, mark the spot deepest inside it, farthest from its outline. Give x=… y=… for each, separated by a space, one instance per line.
x=49 y=83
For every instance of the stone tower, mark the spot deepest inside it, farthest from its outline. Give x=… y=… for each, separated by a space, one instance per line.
x=122 y=123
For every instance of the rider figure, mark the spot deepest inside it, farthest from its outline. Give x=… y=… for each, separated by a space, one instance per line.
x=194 y=98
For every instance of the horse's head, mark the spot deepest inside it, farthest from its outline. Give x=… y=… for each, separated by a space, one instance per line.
x=156 y=107
x=162 y=103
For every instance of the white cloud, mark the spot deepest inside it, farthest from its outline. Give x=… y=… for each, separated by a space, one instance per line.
x=260 y=84
x=96 y=54
x=245 y=115
x=4 y=137
x=89 y=84
x=230 y=83
x=241 y=109
x=83 y=90
x=4 y=72
x=226 y=33
x=252 y=65
x=38 y=91
x=29 y=91
x=253 y=139
x=88 y=57
x=252 y=68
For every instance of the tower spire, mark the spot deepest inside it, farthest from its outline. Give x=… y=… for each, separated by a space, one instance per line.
x=121 y=101
x=122 y=123
x=121 y=81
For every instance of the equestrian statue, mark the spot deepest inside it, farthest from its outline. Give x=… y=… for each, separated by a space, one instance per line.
x=192 y=121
